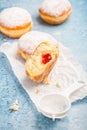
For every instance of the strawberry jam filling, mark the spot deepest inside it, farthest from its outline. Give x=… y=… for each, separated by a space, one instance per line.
x=46 y=58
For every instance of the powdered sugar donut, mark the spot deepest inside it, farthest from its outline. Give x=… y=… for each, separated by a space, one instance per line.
x=41 y=62
x=29 y=41
x=55 y=11
x=15 y=21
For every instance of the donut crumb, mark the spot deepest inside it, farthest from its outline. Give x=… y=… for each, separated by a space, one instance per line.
x=58 y=84
x=15 y=106
x=46 y=81
x=37 y=91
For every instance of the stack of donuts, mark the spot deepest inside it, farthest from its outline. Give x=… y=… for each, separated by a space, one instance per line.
x=39 y=49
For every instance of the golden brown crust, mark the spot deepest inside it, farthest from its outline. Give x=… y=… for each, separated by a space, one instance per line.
x=15 y=32
x=55 y=19
x=42 y=70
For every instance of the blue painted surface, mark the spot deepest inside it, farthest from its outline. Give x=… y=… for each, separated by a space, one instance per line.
x=73 y=34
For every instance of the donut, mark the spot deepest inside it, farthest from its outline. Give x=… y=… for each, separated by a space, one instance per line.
x=29 y=41
x=15 y=21
x=55 y=11
x=40 y=63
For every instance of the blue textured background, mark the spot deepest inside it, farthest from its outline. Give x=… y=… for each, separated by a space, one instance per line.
x=73 y=34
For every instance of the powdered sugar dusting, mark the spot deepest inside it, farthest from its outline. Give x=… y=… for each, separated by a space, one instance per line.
x=55 y=7
x=14 y=16
x=66 y=71
x=29 y=41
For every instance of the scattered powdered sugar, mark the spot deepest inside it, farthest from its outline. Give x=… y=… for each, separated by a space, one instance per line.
x=66 y=71
x=14 y=16
x=29 y=41
x=55 y=7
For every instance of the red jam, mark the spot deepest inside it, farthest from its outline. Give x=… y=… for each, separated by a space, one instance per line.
x=46 y=58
